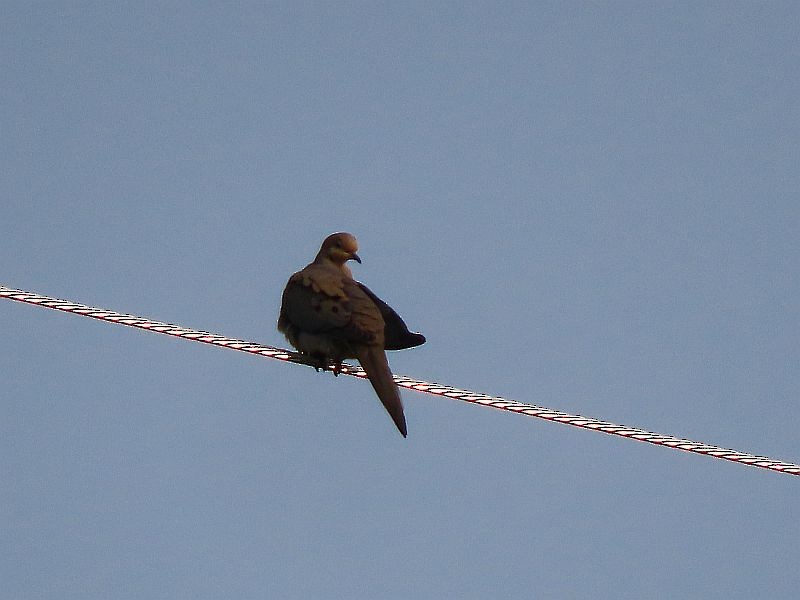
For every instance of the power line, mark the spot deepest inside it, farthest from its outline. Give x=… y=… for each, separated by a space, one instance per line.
x=427 y=387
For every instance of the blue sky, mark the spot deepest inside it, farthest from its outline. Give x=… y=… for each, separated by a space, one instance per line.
x=588 y=206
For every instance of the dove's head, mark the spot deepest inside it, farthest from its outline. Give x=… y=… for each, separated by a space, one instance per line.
x=338 y=248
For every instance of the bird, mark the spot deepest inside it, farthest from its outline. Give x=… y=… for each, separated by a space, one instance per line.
x=328 y=316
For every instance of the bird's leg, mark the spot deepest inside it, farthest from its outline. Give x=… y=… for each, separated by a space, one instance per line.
x=323 y=362
x=319 y=361
x=337 y=366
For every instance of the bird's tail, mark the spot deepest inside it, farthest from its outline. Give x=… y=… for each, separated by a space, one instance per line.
x=373 y=359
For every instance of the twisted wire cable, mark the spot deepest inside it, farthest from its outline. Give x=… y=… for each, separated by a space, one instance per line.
x=427 y=387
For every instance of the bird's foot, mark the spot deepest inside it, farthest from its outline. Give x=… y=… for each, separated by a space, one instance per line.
x=319 y=362
x=325 y=363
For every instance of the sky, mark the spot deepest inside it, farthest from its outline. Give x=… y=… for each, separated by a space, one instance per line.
x=590 y=206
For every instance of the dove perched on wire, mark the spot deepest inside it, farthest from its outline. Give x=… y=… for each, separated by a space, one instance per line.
x=328 y=316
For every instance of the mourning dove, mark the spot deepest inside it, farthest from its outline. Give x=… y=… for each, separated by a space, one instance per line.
x=328 y=316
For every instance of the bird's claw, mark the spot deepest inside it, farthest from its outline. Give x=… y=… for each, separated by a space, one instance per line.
x=324 y=364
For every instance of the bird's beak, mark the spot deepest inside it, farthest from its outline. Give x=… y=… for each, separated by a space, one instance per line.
x=355 y=257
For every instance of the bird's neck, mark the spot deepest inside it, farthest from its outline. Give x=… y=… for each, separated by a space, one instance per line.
x=324 y=261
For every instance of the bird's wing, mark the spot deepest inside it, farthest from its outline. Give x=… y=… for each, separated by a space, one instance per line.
x=396 y=333
x=313 y=302
x=325 y=301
